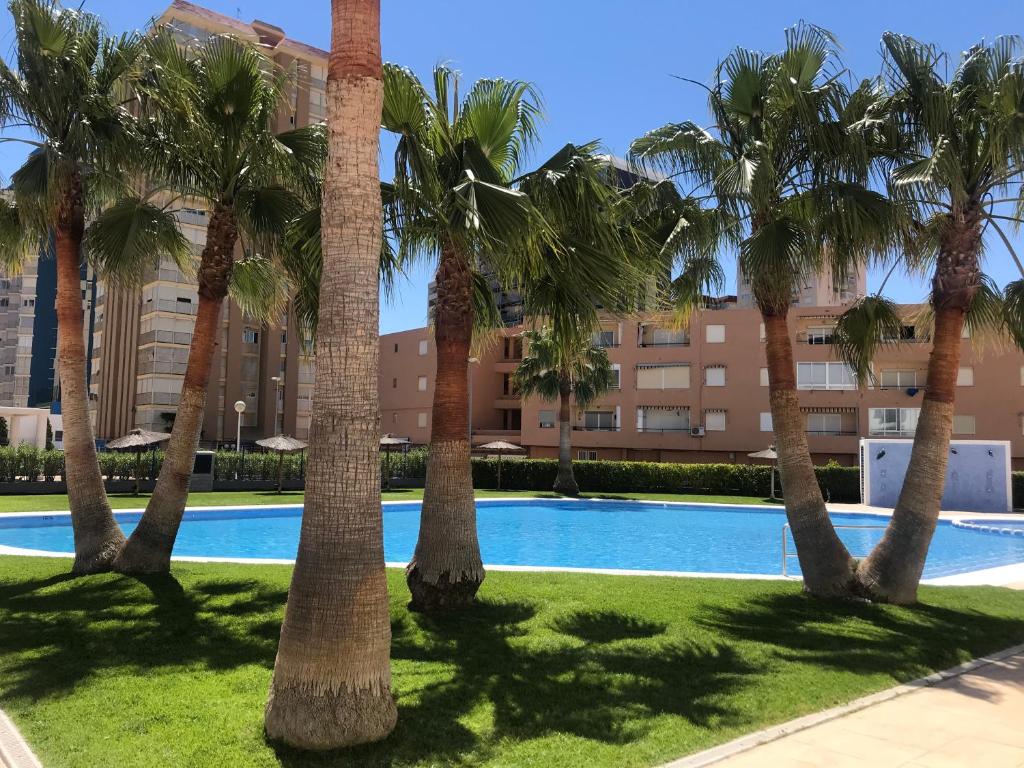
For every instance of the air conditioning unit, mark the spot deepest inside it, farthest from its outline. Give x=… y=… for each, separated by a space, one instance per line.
x=696 y=431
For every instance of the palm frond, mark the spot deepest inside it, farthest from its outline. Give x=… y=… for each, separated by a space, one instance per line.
x=128 y=239
x=871 y=324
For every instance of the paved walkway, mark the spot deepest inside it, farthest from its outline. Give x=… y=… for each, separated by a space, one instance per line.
x=971 y=720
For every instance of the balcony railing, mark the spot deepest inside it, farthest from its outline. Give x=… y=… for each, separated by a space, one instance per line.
x=657 y=430
x=579 y=428
x=832 y=432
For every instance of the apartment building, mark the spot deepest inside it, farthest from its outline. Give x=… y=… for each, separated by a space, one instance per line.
x=700 y=393
x=28 y=332
x=141 y=338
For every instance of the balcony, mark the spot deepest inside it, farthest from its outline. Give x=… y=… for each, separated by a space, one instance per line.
x=584 y=428
x=655 y=344
x=663 y=430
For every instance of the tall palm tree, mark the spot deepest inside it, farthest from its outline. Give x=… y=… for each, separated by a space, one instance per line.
x=563 y=367
x=332 y=680
x=209 y=140
x=67 y=97
x=956 y=153
x=779 y=157
x=453 y=204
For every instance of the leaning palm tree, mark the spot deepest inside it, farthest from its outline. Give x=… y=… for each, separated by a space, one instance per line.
x=209 y=140
x=563 y=368
x=332 y=678
x=779 y=158
x=956 y=153
x=453 y=204
x=69 y=91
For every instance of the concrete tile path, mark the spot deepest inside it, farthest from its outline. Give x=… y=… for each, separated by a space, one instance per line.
x=971 y=720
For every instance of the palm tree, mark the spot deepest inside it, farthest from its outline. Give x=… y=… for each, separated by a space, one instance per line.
x=69 y=91
x=209 y=140
x=332 y=680
x=453 y=204
x=956 y=154
x=563 y=368
x=779 y=158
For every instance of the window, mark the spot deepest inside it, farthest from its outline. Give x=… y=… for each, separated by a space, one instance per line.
x=394 y=417
x=965 y=378
x=616 y=378
x=714 y=334
x=58 y=435
x=907 y=333
x=764 y=377
x=898 y=379
x=671 y=376
x=893 y=421
x=825 y=423
x=421 y=383
x=603 y=339
x=820 y=334
x=546 y=419
x=824 y=376
x=662 y=419
x=599 y=421
x=394 y=383
x=421 y=420
x=963 y=425
x=714 y=421
x=714 y=376
x=766 y=422
x=396 y=347
x=250 y=336
x=586 y=455
x=423 y=347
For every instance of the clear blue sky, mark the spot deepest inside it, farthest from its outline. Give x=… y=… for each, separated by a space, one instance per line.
x=604 y=66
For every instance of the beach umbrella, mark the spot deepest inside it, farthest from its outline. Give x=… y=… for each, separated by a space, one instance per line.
x=281 y=444
x=389 y=442
x=768 y=453
x=500 y=447
x=138 y=440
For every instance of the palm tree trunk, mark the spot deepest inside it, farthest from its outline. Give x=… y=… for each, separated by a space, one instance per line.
x=332 y=677
x=827 y=567
x=97 y=536
x=892 y=572
x=565 y=480
x=148 y=549
x=446 y=569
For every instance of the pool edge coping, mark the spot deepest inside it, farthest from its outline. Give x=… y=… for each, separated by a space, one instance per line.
x=751 y=741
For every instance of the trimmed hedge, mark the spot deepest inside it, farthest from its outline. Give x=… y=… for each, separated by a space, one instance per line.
x=841 y=484
x=257 y=466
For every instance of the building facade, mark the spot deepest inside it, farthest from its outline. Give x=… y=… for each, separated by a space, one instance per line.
x=700 y=393
x=142 y=338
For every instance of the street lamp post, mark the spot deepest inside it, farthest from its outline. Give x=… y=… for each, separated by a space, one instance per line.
x=278 y=383
x=239 y=409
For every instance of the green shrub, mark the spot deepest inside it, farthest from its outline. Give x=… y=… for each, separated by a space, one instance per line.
x=411 y=465
x=257 y=466
x=52 y=464
x=840 y=484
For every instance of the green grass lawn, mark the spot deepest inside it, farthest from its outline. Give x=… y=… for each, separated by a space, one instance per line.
x=56 y=502
x=549 y=669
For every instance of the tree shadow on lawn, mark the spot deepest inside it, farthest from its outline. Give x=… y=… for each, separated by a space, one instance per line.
x=903 y=643
x=527 y=685
x=63 y=637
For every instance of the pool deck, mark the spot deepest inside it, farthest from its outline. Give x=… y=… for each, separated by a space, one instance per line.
x=968 y=716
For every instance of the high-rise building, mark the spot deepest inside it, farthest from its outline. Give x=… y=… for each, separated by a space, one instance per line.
x=28 y=332
x=142 y=337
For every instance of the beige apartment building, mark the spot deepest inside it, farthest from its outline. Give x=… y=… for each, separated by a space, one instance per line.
x=141 y=338
x=700 y=393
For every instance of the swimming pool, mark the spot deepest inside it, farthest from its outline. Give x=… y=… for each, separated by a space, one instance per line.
x=554 y=533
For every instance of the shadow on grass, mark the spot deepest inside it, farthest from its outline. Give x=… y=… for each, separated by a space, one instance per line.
x=864 y=638
x=64 y=636
x=606 y=626
x=529 y=686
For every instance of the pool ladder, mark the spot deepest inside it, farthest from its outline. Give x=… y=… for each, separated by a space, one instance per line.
x=786 y=554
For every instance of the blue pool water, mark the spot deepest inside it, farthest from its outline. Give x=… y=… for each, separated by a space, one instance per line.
x=602 y=534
